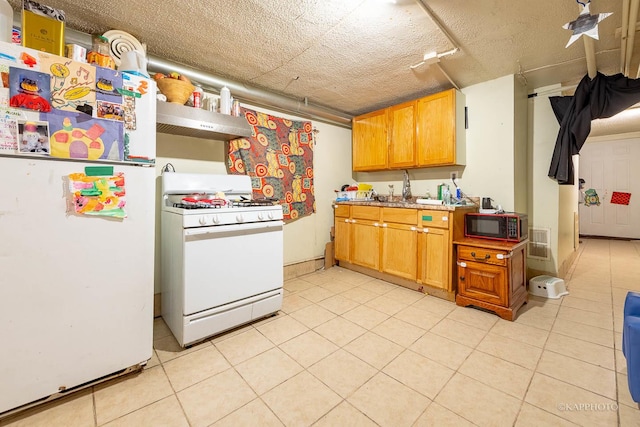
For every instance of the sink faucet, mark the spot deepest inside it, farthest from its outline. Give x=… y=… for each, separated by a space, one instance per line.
x=406 y=187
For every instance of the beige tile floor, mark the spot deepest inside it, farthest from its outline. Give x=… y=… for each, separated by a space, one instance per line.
x=348 y=350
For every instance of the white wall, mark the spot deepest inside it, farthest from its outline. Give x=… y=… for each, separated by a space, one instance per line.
x=490 y=141
x=521 y=145
x=305 y=238
x=543 y=191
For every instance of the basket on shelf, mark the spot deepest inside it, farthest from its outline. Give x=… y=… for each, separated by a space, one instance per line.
x=177 y=91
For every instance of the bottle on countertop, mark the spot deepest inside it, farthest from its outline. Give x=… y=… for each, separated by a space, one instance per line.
x=225 y=100
x=446 y=195
x=6 y=21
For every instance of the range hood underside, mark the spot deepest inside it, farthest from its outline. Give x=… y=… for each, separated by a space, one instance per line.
x=178 y=119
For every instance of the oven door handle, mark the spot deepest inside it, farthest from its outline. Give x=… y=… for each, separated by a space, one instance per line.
x=233 y=228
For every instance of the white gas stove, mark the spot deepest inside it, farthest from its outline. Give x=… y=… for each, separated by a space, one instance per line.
x=211 y=200
x=211 y=232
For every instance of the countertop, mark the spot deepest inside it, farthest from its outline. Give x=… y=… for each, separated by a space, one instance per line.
x=407 y=205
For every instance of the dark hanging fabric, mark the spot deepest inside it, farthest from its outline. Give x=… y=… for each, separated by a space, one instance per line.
x=560 y=105
x=597 y=98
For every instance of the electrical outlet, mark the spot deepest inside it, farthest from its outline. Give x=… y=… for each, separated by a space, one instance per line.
x=454 y=175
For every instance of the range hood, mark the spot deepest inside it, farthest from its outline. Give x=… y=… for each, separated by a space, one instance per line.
x=178 y=119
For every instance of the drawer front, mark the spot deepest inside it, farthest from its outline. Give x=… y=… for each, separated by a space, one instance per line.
x=342 y=210
x=439 y=219
x=400 y=216
x=365 y=212
x=481 y=255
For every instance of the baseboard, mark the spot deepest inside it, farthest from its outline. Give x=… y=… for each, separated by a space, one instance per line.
x=410 y=284
x=292 y=271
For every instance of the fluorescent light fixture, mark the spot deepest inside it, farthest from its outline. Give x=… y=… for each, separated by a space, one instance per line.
x=433 y=58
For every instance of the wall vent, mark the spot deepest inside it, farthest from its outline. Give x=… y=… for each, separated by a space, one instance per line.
x=539 y=243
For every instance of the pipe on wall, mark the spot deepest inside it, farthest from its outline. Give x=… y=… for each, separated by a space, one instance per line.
x=624 y=33
x=590 y=54
x=250 y=95
x=631 y=34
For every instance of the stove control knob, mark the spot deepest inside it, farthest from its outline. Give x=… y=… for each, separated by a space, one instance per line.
x=203 y=220
x=216 y=219
x=270 y=215
x=239 y=218
x=260 y=216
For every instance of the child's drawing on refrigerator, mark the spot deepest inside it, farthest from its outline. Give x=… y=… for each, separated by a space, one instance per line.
x=98 y=195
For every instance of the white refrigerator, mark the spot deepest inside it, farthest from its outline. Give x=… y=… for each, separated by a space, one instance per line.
x=76 y=287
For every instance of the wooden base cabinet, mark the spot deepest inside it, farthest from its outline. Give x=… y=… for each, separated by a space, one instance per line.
x=413 y=245
x=435 y=259
x=342 y=240
x=365 y=243
x=492 y=275
x=400 y=248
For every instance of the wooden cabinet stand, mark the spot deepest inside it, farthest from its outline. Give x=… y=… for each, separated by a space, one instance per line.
x=492 y=275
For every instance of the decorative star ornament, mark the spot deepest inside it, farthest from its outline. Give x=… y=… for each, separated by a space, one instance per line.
x=586 y=24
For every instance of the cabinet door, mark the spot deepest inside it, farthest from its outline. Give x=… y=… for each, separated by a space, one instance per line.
x=400 y=250
x=342 y=240
x=484 y=282
x=402 y=135
x=365 y=243
x=370 y=142
x=436 y=125
x=435 y=258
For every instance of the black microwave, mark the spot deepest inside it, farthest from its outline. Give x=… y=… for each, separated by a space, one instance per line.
x=508 y=227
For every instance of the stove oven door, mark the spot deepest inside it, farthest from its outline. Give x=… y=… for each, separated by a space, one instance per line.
x=228 y=263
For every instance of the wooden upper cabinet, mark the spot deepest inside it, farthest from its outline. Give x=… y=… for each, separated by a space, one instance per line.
x=440 y=129
x=402 y=135
x=426 y=132
x=370 y=141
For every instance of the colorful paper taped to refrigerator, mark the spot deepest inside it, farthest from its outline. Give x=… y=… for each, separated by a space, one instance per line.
x=80 y=136
x=98 y=195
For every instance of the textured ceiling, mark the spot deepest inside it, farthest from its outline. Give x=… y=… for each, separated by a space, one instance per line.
x=354 y=56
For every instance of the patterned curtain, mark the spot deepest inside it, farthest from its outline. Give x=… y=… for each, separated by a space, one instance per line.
x=279 y=159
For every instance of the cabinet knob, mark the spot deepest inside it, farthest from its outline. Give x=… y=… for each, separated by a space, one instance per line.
x=384 y=225
x=413 y=228
x=346 y=220
x=425 y=230
x=462 y=278
x=375 y=224
x=353 y=221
